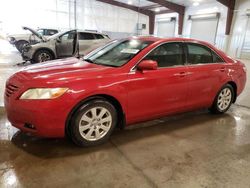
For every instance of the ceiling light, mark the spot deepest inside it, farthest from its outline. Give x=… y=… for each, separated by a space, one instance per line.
x=157 y=10
x=130 y=2
x=196 y=4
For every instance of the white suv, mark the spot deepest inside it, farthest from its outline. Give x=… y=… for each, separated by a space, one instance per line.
x=63 y=45
x=19 y=40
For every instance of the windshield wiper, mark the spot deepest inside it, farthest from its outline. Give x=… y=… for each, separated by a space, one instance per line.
x=89 y=60
x=108 y=65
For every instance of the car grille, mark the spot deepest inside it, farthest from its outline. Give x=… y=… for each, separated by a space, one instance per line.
x=10 y=90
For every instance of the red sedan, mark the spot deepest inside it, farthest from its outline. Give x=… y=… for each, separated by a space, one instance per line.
x=124 y=82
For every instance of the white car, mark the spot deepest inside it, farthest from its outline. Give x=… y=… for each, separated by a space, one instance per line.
x=19 y=40
x=63 y=44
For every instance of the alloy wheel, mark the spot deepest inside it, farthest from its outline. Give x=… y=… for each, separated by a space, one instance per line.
x=95 y=123
x=43 y=57
x=224 y=99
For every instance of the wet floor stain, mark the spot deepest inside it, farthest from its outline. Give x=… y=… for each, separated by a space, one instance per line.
x=195 y=149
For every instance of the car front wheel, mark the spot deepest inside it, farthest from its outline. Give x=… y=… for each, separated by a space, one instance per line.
x=223 y=99
x=93 y=123
x=42 y=56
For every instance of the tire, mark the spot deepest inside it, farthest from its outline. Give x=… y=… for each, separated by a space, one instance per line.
x=223 y=100
x=93 y=117
x=42 y=56
x=19 y=45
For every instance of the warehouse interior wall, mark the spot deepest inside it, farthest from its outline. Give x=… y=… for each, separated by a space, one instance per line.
x=70 y=14
x=239 y=28
x=231 y=44
x=215 y=7
x=118 y=22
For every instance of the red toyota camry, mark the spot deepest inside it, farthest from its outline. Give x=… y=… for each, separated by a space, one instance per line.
x=124 y=82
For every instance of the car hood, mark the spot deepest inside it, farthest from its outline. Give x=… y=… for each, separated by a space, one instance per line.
x=62 y=70
x=19 y=35
x=35 y=33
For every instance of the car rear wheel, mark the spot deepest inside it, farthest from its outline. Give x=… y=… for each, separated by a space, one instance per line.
x=42 y=56
x=223 y=99
x=93 y=123
x=20 y=44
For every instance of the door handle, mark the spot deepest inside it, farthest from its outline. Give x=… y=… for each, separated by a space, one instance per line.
x=222 y=69
x=182 y=74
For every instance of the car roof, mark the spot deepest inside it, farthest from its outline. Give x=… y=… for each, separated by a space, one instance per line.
x=93 y=32
x=171 y=39
x=47 y=28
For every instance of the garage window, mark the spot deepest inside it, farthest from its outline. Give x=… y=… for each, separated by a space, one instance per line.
x=198 y=54
x=167 y=55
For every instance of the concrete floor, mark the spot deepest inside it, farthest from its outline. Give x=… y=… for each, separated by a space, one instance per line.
x=195 y=149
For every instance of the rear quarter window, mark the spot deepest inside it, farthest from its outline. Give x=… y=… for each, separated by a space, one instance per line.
x=86 y=36
x=98 y=36
x=199 y=54
x=217 y=58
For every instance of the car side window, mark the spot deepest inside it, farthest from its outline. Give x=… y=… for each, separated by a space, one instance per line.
x=216 y=58
x=199 y=54
x=86 y=36
x=98 y=36
x=68 y=36
x=50 y=32
x=41 y=31
x=167 y=55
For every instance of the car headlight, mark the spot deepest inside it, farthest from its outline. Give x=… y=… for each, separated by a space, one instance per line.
x=11 y=38
x=43 y=93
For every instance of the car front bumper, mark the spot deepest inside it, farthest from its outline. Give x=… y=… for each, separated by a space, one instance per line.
x=45 y=118
x=27 y=55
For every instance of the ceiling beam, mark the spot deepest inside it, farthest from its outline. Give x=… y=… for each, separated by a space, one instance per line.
x=151 y=6
x=227 y=3
x=172 y=6
x=151 y=23
x=127 y=6
x=148 y=13
x=164 y=12
x=176 y=8
x=230 y=4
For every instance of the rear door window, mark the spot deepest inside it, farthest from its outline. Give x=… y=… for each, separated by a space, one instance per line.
x=199 y=54
x=217 y=58
x=98 y=36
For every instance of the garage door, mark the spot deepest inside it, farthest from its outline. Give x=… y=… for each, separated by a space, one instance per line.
x=204 y=27
x=245 y=52
x=166 y=28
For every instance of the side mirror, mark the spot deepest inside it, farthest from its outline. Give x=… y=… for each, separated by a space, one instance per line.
x=58 y=40
x=147 y=65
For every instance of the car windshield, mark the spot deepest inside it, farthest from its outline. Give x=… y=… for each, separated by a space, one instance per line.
x=117 y=53
x=40 y=31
